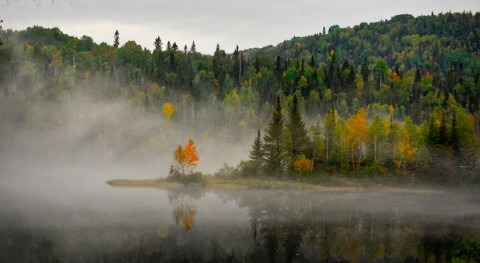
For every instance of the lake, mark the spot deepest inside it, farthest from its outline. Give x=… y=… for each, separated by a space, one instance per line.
x=70 y=214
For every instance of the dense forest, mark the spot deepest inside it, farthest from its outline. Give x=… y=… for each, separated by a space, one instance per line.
x=400 y=96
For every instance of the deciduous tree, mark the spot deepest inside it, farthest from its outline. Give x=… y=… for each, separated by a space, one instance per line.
x=357 y=134
x=376 y=133
x=303 y=165
x=168 y=110
x=186 y=157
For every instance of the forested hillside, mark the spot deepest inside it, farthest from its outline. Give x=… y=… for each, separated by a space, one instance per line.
x=397 y=96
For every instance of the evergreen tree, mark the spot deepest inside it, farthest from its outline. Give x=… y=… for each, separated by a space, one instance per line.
x=193 y=48
x=1 y=21
x=116 y=39
x=158 y=43
x=236 y=66
x=442 y=130
x=432 y=137
x=277 y=71
x=256 y=154
x=312 y=62
x=454 y=136
x=273 y=147
x=298 y=134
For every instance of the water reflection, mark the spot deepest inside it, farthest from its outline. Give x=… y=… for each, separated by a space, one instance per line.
x=183 y=208
x=195 y=225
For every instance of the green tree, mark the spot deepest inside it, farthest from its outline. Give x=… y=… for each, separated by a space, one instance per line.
x=116 y=39
x=257 y=154
x=340 y=143
x=158 y=43
x=273 y=142
x=1 y=31
x=299 y=138
x=376 y=132
x=329 y=122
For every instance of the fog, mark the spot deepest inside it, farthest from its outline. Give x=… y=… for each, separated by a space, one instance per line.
x=58 y=155
x=55 y=158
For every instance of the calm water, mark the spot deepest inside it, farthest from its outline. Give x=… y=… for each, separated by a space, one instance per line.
x=85 y=220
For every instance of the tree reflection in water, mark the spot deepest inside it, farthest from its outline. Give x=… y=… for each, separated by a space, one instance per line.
x=275 y=226
x=184 y=210
x=346 y=227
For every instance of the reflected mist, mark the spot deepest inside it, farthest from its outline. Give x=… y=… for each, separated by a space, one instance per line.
x=196 y=225
x=55 y=205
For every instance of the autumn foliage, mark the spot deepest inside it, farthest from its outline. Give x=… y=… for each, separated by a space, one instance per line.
x=303 y=165
x=186 y=157
x=168 y=110
x=185 y=214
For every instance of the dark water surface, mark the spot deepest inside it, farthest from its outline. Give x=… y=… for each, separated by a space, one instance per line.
x=73 y=220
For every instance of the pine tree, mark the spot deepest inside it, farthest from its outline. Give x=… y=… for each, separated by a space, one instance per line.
x=256 y=154
x=116 y=39
x=298 y=134
x=273 y=147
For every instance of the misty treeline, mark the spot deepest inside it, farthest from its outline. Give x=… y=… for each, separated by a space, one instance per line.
x=400 y=95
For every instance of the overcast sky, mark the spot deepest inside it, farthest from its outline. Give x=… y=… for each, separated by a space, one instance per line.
x=248 y=23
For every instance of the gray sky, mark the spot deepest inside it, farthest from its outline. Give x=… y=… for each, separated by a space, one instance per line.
x=248 y=23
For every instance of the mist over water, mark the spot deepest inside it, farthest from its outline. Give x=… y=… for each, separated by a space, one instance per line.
x=55 y=205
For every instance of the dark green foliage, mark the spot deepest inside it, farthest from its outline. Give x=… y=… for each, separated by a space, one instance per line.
x=257 y=154
x=158 y=44
x=116 y=39
x=273 y=145
x=299 y=141
x=466 y=252
x=1 y=21
x=412 y=63
x=454 y=136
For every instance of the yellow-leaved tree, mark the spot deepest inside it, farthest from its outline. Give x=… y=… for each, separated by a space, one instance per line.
x=186 y=157
x=303 y=165
x=357 y=135
x=168 y=110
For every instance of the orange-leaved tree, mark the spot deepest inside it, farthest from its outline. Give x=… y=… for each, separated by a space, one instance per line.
x=186 y=157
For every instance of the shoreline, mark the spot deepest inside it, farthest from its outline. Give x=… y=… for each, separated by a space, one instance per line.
x=215 y=183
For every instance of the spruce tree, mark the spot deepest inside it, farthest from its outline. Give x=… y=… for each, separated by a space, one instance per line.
x=454 y=136
x=116 y=39
x=158 y=43
x=298 y=133
x=193 y=48
x=256 y=154
x=273 y=147
x=236 y=66
x=1 y=21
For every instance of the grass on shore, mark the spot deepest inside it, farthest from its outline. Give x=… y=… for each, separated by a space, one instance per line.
x=244 y=183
